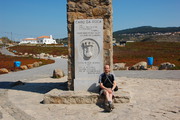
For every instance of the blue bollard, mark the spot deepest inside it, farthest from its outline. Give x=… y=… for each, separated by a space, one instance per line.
x=17 y=64
x=150 y=60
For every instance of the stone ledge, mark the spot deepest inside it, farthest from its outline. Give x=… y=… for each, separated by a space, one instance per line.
x=56 y=96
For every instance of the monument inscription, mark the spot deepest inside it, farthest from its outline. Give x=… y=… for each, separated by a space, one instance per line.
x=88 y=51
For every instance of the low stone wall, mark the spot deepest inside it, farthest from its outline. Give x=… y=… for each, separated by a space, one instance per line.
x=70 y=97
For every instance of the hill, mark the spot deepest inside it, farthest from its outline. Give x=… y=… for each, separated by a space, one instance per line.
x=148 y=33
x=5 y=40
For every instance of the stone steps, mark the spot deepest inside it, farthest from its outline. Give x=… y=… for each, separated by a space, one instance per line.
x=56 y=96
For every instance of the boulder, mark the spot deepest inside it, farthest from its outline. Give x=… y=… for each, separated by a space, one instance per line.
x=153 y=68
x=140 y=66
x=119 y=66
x=34 y=56
x=3 y=71
x=50 y=56
x=17 y=83
x=30 y=66
x=25 y=54
x=42 y=55
x=36 y=64
x=66 y=57
x=37 y=55
x=40 y=63
x=62 y=56
x=46 y=55
x=166 y=66
x=23 y=67
x=58 y=73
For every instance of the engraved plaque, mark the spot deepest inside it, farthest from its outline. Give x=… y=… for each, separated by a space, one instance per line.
x=88 y=50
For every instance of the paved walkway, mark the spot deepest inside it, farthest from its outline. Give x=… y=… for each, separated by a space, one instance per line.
x=36 y=73
x=4 y=51
x=150 y=74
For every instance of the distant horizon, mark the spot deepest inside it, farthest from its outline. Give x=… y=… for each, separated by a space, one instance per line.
x=38 y=17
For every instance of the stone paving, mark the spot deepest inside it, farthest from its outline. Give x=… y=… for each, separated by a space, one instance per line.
x=151 y=99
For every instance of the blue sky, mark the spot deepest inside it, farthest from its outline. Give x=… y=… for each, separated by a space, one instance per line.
x=33 y=18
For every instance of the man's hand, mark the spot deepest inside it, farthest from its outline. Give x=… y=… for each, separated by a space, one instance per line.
x=109 y=91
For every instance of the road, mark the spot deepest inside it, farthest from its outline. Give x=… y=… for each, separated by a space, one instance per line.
x=4 y=51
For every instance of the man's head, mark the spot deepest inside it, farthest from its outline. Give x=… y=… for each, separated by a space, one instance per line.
x=106 y=68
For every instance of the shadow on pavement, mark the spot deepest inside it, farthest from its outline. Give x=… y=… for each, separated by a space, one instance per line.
x=33 y=87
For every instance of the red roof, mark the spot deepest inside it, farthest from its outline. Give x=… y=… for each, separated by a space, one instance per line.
x=30 y=39
x=43 y=37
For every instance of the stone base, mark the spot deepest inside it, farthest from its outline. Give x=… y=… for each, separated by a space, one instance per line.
x=76 y=97
x=90 y=85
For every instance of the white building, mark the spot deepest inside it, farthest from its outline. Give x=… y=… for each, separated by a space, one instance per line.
x=29 y=41
x=1 y=42
x=39 y=40
x=46 y=40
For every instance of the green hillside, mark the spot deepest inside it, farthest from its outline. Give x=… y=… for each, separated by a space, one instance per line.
x=148 y=33
x=148 y=29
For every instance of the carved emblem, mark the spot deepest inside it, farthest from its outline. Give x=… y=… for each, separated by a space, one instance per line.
x=88 y=49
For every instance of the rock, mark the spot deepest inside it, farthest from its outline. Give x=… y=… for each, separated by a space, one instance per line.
x=140 y=66
x=34 y=56
x=41 y=56
x=30 y=66
x=3 y=71
x=37 y=55
x=40 y=63
x=119 y=66
x=66 y=57
x=62 y=56
x=46 y=55
x=153 y=68
x=50 y=56
x=36 y=64
x=17 y=83
x=56 y=96
x=166 y=66
x=58 y=73
x=25 y=54
x=23 y=67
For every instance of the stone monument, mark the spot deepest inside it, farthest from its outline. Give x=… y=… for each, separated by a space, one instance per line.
x=89 y=42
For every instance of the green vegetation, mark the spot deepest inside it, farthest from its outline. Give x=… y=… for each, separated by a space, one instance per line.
x=135 y=52
x=6 y=40
x=41 y=49
x=8 y=61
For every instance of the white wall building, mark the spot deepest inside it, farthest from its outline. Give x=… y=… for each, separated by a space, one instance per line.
x=1 y=42
x=39 y=40
x=46 y=40
x=29 y=41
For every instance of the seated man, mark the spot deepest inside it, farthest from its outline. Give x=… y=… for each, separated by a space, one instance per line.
x=107 y=84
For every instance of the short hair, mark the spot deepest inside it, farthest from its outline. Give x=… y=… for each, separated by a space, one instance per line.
x=106 y=65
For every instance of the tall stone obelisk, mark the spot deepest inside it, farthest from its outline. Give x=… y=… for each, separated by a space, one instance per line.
x=89 y=42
